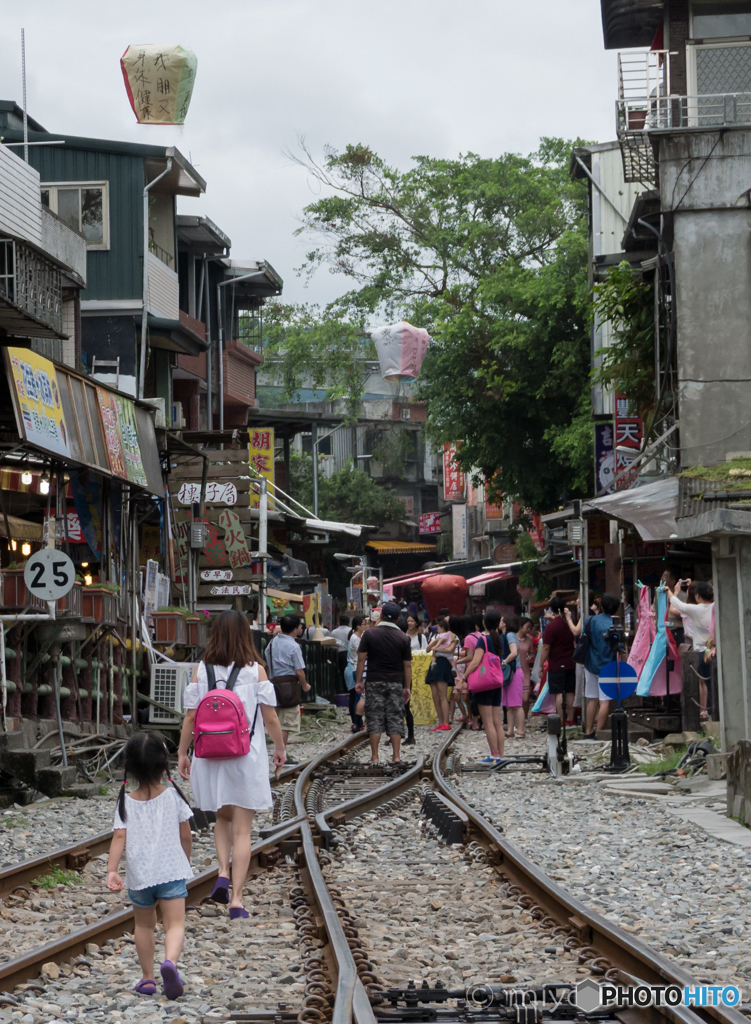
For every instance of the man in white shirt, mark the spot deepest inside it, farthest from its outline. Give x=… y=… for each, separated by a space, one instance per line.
x=701 y=617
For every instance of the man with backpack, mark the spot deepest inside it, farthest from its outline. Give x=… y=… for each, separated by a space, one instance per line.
x=287 y=673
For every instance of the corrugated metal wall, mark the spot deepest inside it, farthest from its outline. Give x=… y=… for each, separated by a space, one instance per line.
x=115 y=273
x=20 y=204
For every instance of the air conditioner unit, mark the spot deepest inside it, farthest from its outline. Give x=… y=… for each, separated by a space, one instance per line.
x=178 y=420
x=406 y=413
x=168 y=684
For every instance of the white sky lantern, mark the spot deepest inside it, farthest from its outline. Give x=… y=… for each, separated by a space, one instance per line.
x=159 y=81
x=401 y=349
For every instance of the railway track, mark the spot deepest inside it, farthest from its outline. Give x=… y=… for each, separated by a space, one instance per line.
x=336 y=825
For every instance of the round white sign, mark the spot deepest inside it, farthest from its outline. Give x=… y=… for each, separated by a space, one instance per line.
x=49 y=574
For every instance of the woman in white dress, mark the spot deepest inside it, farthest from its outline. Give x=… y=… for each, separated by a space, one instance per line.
x=233 y=787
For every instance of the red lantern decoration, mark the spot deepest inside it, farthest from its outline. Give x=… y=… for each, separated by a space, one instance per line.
x=445 y=592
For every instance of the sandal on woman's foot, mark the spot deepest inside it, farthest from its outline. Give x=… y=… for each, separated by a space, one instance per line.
x=220 y=892
x=237 y=912
x=145 y=987
x=171 y=981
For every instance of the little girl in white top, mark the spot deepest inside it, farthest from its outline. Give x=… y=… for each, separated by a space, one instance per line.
x=151 y=826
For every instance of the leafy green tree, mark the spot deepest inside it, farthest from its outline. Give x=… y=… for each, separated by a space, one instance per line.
x=489 y=254
x=627 y=365
x=347 y=496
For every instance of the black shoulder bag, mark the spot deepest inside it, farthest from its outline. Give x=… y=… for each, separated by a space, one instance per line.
x=286 y=688
x=582 y=644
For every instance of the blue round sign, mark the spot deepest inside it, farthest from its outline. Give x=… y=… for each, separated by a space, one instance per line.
x=618 y=680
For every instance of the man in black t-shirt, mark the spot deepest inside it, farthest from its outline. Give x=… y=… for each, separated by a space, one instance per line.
x=388 y=655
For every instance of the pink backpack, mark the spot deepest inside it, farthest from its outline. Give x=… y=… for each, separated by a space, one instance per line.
x=220 y=729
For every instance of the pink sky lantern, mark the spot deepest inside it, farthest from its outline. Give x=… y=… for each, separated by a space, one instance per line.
x=401 y=349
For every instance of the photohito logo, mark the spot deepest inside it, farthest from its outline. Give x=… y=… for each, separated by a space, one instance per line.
x=591 y=996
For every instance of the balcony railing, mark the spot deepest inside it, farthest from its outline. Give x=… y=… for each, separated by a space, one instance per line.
x=32 y=284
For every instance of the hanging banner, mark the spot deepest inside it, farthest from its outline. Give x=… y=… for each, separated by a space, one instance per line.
x=604 y=458
x=87 y=496
x=37 y=395
x=159 y=81
x=453 y=476
x=628 y=435
x=261 y=459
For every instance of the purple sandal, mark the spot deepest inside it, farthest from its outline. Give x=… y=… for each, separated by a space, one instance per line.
x=173 y=986
x=145 y=987
x=236 y=912
x=220 y=892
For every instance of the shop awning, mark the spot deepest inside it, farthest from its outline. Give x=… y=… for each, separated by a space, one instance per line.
x=401 y=547
x=489 y=577
x=280 y=595
x=651 y=509
x=20 y=529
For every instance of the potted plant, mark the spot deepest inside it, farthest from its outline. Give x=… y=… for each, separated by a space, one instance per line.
x=99 y=603
x=170 y=625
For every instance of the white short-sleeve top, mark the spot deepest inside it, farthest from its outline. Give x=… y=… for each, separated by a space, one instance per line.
x=153 y=850
x=251 y=690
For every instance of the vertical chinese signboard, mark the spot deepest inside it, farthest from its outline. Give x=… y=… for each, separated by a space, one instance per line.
x=261 y=459
x=492 y=511
x=453 y=476
x=38 y=397
x=628 y=432
x=604 y=458
x=459 y=530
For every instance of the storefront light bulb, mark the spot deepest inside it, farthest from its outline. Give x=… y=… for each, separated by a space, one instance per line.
x=13 y=546
x=88 y=579
x=44 y=486
x=26 y=477
x=26 y=549
x=84 y=565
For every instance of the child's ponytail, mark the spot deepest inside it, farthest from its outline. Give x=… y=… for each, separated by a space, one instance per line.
x=121 y=800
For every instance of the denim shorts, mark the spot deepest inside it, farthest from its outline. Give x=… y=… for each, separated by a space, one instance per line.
x=164 y=891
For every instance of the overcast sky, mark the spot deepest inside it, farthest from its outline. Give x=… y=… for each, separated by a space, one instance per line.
x=404 y=76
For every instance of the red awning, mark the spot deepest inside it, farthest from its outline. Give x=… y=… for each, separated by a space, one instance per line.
x=489 y=577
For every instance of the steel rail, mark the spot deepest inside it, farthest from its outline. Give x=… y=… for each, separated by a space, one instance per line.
x=75 y=856
x=351 y=1000
x=623 y=950
x=14 y=972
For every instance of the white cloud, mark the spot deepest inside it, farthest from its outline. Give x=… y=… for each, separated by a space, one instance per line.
x=404 y=76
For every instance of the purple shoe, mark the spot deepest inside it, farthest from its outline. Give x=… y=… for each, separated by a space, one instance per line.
x=220 y=892
x=173 y=986
x=145 y=987
x=237 y=912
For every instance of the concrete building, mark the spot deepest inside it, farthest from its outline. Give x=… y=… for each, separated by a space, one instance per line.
x=684 y=129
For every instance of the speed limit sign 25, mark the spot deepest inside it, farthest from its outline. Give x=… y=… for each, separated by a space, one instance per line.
x=49 y=574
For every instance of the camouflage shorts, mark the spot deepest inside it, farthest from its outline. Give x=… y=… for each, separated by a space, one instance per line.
x=384 y=707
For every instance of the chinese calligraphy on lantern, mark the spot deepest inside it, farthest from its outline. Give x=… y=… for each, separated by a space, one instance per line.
x=261 y=460
x=628 y=431
x=216 y=493
x=453 y=476
x=159 y=81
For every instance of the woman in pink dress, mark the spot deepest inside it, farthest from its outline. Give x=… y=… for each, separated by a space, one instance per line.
x=527 y=652
x=513 y=692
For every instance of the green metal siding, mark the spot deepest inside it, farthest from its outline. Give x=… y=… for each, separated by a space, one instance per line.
x=115 y=273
